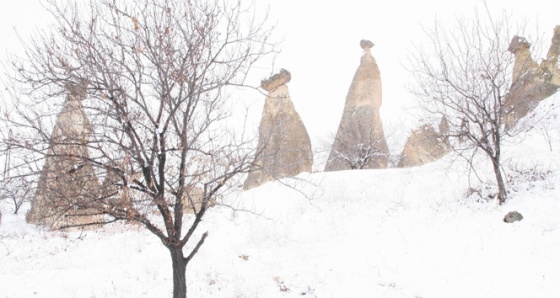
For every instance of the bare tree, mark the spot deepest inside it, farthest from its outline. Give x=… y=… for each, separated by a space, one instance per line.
x=545 y=129
x=13 y=187
x=17 y=182
x=16 y=190
x=466 y=75
x=151 y=79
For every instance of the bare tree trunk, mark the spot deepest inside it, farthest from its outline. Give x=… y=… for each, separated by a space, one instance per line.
x=151 y=106
x=502 y=195
x=179 y=272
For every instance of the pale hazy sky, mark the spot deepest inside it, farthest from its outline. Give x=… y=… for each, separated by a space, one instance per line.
x=322 y=51
x=321 y=47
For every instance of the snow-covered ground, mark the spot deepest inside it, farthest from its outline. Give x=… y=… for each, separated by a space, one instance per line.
x=373 y=233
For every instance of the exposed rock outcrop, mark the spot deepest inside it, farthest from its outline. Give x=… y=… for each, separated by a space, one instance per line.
x=531 y=82
x=426 y=145
x=284 y=147
x=68 y=185
x=360 y=141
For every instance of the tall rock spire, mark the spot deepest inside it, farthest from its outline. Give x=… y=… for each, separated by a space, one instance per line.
x=284 y=148
x=531 y=82
x=68 y=184
x=360 y=142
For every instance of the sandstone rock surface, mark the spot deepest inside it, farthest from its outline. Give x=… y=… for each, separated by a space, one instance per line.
x=284 y=147
x=194 y=198
x=360 y=139
x=67 y=185
x=425 y=145
x=531 y=82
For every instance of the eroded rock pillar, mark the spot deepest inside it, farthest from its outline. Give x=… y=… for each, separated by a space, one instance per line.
x=68 y=186
x=284 y=147
x=360 y=141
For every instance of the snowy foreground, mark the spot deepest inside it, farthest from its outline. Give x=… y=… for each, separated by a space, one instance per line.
x=378 y=233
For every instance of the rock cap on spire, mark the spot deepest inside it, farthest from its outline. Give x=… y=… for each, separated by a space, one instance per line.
x=366 y=44
x=276 y=80
x=517 y=43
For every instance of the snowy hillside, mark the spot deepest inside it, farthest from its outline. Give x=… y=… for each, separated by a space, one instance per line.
x=376 y=233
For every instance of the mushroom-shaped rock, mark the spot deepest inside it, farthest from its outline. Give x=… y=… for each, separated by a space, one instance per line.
x=68 y=188
x=277 y=80
x=531 y=82
x=360 y=133
x=284 y=147
x=520 y=47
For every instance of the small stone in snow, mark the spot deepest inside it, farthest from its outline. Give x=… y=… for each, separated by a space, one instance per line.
x=513 y=217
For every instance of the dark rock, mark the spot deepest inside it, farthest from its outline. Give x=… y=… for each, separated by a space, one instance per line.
x=513 y=216
x=366 y=44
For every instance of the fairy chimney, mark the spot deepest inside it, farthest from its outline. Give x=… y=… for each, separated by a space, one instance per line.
x=360 y=133
x=531 y=82
x=284 y=147
x=521 y=48
x=551 y=63
x=426 y=145
x=68 y=184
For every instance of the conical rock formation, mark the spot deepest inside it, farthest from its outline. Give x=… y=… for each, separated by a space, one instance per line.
x=68 y=185
x=531 y=82
x=360 y=141
x=284 y=148
x=425 y=145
